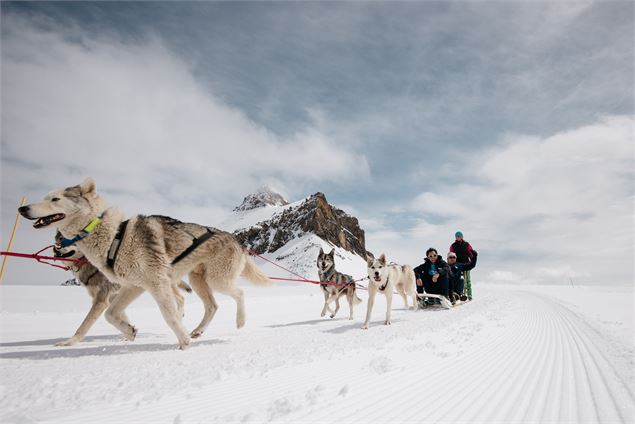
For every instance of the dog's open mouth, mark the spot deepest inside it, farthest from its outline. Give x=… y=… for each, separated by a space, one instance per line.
x=45 y=221
x=377 y=278
x=61 y=254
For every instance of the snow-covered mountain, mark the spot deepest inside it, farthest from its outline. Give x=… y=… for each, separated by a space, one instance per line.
x=291 y=234
x=264 y=196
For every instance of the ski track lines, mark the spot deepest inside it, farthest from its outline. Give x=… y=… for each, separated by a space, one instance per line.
x=528 y=375
x=514 y=356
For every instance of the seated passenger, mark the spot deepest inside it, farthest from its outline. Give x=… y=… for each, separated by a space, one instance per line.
x=457 y=278
x=433 y=275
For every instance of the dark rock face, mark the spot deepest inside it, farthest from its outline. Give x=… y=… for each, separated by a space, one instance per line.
x=315 y=215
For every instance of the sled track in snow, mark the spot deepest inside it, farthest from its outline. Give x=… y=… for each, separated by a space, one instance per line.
x=547 y=366
x=510 y=356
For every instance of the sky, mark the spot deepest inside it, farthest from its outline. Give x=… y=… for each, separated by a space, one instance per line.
x=510 y=121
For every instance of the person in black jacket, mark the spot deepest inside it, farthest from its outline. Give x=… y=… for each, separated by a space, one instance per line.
x=457 y=282
x=433 y=275
x=457 y=278
x=465 y=256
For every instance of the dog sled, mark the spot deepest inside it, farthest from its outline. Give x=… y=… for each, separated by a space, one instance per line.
x=428 y=300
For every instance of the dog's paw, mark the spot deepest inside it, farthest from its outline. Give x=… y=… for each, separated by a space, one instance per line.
x=387 y=322
x=365 y=327
x=196 y=334
x=69 y=342
x=322 y=314
x=132 y=335
x=184 y=344
x=350 y=318
x=240 y=323
x=332 y=315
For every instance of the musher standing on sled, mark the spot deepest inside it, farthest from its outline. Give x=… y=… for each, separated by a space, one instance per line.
x=464 y=255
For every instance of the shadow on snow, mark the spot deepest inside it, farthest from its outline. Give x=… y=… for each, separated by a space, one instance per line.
x=78 y=351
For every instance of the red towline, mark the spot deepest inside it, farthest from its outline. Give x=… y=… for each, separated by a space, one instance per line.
x=302 y=279
x=42 y=259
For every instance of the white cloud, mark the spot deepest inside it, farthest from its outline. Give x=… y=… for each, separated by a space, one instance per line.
x=134 y=117
x=127 y=112
x=544 y=208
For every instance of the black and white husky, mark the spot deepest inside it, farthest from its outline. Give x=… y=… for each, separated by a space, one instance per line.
x=344 y=285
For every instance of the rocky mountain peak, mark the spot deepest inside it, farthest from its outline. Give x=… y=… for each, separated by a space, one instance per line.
x=313 y=215
x=264 y=196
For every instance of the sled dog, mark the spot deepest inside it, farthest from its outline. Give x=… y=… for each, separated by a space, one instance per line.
x=148 y=253
x=101 y=291
x=384 y=278
x=344 y=285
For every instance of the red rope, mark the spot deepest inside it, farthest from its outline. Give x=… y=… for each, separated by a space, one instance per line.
x=42 y=259
x=303 y=280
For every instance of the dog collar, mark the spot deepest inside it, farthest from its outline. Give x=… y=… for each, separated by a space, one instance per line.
x=83 y=233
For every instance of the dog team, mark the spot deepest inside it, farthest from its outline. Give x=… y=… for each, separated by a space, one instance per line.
x=125 y=257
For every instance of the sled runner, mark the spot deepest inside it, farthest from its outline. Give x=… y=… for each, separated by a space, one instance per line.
x=426 y=300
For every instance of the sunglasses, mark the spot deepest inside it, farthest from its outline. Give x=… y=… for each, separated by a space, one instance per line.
x=451 y=257
x=432 y=255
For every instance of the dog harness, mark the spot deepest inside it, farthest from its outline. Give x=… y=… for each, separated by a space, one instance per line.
x=116 y=243
x=382 y=288
x=89 y=277
x=325 y=276
x=196 y=242
x=83 y=233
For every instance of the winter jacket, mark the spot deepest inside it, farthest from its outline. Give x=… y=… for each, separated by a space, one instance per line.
x=426 y=270
x=457 y=281
x=463 y=250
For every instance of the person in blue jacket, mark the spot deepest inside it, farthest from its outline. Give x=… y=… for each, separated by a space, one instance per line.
x=433 y=275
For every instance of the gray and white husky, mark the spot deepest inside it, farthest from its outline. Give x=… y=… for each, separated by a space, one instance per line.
x=344 y=285
x=101 y=291
x=384 y=278
x=149 y=253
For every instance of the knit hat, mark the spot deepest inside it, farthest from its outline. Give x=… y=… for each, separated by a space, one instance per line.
x=458 y=233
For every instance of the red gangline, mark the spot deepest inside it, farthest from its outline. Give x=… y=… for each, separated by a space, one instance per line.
x=42 y=259
x=304 y=280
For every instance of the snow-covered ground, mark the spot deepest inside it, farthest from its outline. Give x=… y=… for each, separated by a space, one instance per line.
x=515 y=354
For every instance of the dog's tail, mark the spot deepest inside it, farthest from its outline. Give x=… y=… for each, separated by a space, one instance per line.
x=184 y=286
x=253 y=274
x=356 y=299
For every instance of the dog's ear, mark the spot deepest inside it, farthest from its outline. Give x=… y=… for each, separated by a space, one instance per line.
x=332 y=254
x=370 y=262
x=321 y=252
x=87 y=186
x=382 y=259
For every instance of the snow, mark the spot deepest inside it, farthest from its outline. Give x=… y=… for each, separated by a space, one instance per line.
x=298 y=255
x=265 y=195
x=514 y=354
x=240 y=219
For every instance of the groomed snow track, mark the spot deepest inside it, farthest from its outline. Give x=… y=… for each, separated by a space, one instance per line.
x=510 y=356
